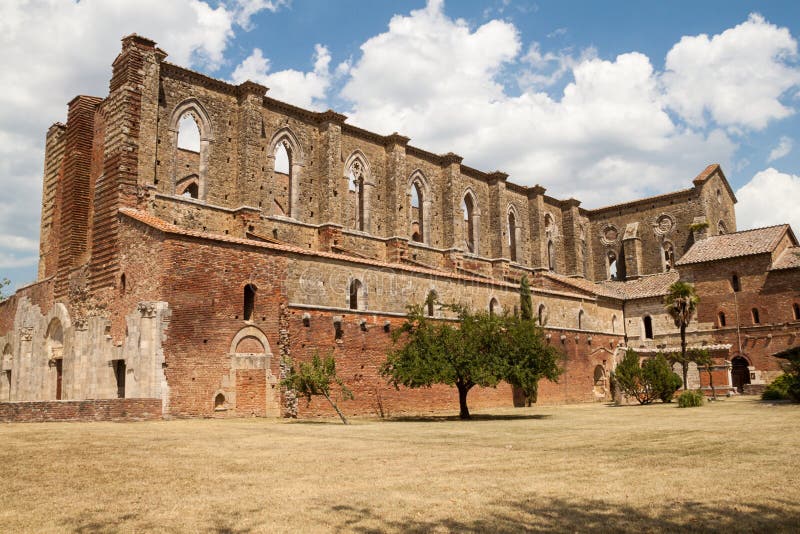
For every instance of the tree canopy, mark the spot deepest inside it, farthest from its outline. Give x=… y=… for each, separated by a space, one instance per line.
x=478 y=349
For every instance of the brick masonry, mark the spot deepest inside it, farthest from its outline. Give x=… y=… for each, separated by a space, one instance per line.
x=142 y=279
x=82 y=410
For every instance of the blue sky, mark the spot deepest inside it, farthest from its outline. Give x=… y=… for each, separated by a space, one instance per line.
x=603 y=101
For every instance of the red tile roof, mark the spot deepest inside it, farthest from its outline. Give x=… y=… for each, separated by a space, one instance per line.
x=789 y=259
x=166 y=227
x=745 y=243
x=653 y=285
x=584 y=285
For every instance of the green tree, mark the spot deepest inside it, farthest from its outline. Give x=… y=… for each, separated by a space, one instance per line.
x=531 y=390
x=792 y=369
x=525 y=302
x=528 y=357
x=479 y=349
x=646 y=382
x=681 y=303
x=658 y=373
x=3 y=283
x=629 y=379
x=316 y=378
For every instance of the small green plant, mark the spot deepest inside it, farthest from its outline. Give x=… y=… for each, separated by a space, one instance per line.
x=694 y=227
x=691 y=399
x=316 y=378
x=779 y=388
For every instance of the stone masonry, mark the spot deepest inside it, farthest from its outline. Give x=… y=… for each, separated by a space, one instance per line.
x=181 y=267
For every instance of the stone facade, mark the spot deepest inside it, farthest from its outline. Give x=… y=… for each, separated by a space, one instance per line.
x=184 y=273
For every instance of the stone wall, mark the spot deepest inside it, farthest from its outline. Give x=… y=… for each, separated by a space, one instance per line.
x=84 y=410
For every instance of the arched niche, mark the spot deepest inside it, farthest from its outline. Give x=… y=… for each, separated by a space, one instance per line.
x=286 y=139
x=419 y=185
x=471 y=221
x=358 y=174
x=250 y=337
x=193 y=108
x=514 y=232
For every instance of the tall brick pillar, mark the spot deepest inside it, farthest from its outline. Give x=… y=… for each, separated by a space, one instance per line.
x=129 y=156
x=632 y=244
x=398 y=208
x=251 y=159
x=451 y=198
x=570 y=217
x=74 y=190
x=331 y=200
x=536 y=223
x=48 y=240
x=498 y=219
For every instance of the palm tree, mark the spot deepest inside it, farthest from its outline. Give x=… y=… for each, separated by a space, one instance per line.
x=681 y=303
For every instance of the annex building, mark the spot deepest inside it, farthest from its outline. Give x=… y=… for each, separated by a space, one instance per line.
x=194 y=233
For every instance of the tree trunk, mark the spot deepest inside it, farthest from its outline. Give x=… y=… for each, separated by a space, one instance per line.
x=336 y=408
x=684 y=363
x=463 y=389
x=711 y=383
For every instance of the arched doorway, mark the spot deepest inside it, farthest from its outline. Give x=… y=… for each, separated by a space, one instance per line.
x=740 y=373
x=54 y=343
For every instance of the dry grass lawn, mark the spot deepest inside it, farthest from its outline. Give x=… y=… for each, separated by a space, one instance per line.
x=732 y=466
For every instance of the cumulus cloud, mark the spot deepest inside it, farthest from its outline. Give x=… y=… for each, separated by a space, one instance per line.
x=783 y=149
x=606 y=138
x=245 y=9
x=737 y=77
x=304 y=89
x=770 y=197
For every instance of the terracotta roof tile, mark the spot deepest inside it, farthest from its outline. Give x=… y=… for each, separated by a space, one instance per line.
x=653 y=285
x=585 y=285
x=789 y=259
x=745 y=243
x=166 y=227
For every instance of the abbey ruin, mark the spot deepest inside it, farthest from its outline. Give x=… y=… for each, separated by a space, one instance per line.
x=194 y=233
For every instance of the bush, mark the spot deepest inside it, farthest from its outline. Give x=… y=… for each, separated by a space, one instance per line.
x=663 y=381
x=779 y=388
x=691 y=399
x=652 y=380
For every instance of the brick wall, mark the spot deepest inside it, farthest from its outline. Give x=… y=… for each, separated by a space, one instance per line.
x=84 y=410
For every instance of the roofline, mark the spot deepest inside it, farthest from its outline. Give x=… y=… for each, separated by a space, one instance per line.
x=163 y=226
x=772 y=244
x=320 y=117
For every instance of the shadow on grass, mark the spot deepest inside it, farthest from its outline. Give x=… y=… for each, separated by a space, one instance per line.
x=558 y=515
x=475 y=417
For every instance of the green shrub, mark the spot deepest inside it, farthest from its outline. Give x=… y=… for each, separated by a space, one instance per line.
x=628 y=378
x=652 y=380
x=779 y=388
x=691 y=399
x=659 y=375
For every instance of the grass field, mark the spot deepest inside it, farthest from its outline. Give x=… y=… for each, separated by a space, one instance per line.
x=732 y=466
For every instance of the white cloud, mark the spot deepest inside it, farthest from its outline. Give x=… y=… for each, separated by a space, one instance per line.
x=736 y=77
x=245 y=9
x=783 y=149
x=607 y=138
x=770 y=198
x=304 y=89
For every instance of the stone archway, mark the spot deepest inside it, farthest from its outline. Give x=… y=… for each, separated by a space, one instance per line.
x=54 y=351
x=251 y=387
x=740 y=373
